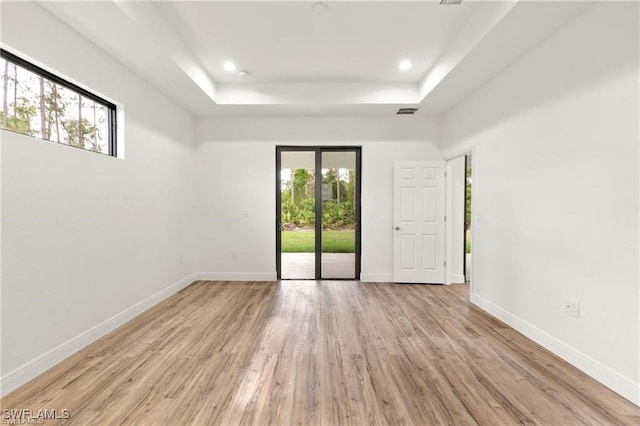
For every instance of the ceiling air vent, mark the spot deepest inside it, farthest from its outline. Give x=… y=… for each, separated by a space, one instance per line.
x=450 y=2
x=406 y=111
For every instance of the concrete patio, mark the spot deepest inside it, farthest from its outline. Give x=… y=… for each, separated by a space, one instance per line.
x=301 y=266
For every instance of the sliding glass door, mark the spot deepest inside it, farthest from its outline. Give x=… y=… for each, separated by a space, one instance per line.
x=318 y=211
x=338 y=220
x=296 y=202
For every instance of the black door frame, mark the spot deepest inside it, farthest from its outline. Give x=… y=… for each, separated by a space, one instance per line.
x=318 y=150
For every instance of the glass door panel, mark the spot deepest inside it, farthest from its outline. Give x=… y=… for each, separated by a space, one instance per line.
x=339 y=218
x=297 y=214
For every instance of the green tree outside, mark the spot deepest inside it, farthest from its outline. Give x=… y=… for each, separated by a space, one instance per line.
x=35 y=106
x=298 y=200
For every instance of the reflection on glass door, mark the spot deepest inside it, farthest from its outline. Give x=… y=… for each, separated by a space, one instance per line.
x=338 y=214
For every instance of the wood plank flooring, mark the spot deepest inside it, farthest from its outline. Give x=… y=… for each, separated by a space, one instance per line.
x=322 y=353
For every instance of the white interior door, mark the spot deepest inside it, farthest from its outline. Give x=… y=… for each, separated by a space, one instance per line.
x=419 y=222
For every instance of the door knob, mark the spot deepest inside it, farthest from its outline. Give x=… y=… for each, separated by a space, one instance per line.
x=397 y=228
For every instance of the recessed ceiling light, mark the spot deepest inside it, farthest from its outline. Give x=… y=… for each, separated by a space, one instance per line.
x=243 y=74
x=405 y=65
x=229 y=66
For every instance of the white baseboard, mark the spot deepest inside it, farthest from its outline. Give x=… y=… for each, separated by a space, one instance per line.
x=236 y=276
x=457 y=279
x=376 y=278
x=42 y=363
x=593 y=368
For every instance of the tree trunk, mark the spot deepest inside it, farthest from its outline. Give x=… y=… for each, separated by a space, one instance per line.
x=352 y=188
x=43 y=117
x=80 y=135
x=338 y=185
x=55 y=110
x=5 y=106
x=15 y=89
x=95 y=129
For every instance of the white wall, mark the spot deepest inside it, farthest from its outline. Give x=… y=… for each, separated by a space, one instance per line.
x=236 y=172
x=556 y=193
x=87 y=237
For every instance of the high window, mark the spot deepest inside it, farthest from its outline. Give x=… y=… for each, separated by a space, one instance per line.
x=37 y=103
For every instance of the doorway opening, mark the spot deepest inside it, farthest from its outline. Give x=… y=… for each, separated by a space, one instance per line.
x=467 y=218
x=459 y=226
x=318 y=212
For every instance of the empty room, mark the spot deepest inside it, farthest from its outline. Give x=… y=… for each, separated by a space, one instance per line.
x=334 y=212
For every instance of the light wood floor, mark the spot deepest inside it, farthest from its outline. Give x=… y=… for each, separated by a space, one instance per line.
x=326 y=353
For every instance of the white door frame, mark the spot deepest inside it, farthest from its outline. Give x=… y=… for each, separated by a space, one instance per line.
x=449 y=197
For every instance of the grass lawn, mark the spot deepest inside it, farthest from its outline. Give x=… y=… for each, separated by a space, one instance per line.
x=467 y=247
x=332 y=242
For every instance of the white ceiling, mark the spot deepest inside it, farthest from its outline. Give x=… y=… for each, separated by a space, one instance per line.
x=288 y=42
x=301 y=62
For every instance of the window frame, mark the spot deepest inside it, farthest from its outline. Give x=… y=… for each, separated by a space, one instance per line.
x=112 y=125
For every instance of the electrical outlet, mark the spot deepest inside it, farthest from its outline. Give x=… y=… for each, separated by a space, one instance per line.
x=234 y=255
x=181 y=260
x=572 y=307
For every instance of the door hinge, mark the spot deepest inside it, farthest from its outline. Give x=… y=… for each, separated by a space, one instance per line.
x=445 y=173
x=445 y=218
x=445 y=263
